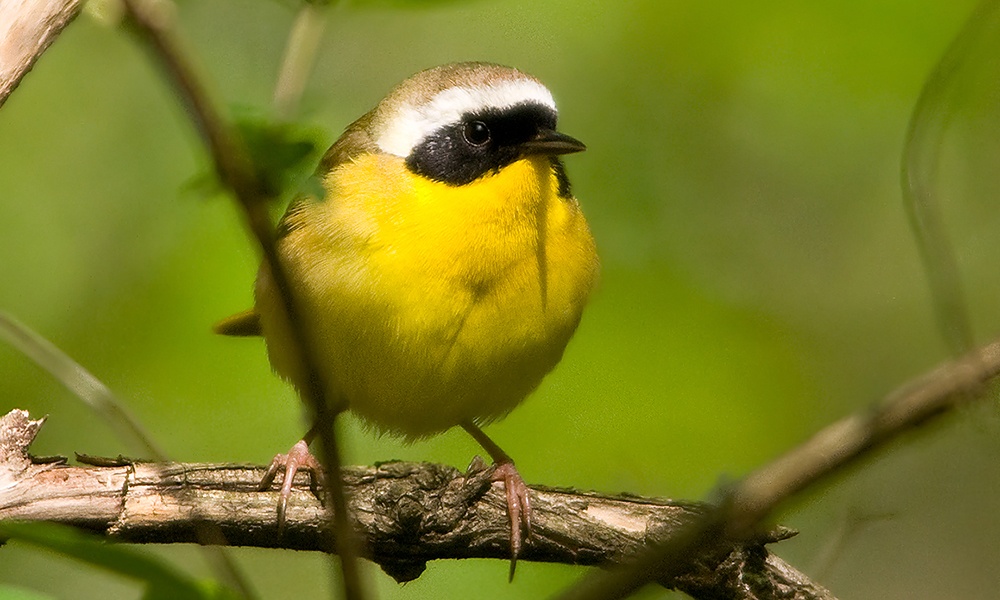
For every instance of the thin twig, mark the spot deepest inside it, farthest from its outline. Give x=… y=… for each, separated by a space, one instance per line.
x=300 y=57
x=918 y=173
x=82 y=383
x=829 y=452
x=236 y=171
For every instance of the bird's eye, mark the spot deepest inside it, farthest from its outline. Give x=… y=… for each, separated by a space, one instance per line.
x=476 y=133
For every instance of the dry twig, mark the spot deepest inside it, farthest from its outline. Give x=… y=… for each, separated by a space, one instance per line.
x=236 y=171
x=837 y=446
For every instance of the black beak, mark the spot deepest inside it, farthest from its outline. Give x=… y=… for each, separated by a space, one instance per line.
x=550 y=142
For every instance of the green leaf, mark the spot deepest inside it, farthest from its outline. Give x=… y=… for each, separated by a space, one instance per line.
x=284 y=153
x=162 y=581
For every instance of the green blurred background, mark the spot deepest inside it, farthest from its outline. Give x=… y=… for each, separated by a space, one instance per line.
x=759 y=277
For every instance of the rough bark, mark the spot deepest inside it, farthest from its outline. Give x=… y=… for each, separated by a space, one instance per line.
x=405 y=514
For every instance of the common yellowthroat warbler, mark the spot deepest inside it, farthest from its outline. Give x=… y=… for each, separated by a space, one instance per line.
x=443 y=273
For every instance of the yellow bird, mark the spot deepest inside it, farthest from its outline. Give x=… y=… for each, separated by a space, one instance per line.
x=443 y=273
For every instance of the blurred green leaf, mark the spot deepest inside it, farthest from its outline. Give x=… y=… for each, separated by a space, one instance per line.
x=284 y=153
x=163 y=581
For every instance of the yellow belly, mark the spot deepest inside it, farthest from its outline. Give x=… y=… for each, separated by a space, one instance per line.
x=428 y=305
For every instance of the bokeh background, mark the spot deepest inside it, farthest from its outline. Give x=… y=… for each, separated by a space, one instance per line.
x=759 y=277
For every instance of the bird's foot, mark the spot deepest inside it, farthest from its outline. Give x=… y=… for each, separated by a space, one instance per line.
x=518 y=508
x=298 y=457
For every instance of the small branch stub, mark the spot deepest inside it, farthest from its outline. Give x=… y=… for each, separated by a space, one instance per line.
x=17 y=431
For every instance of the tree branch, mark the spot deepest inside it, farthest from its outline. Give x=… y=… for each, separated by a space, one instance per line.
x=839 y=445
x=27 y=28
x=405 y=513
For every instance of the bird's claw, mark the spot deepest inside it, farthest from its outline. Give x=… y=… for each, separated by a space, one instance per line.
x=518 y=508
x=298 y=457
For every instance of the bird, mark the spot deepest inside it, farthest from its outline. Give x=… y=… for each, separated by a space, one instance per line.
x=442 y=272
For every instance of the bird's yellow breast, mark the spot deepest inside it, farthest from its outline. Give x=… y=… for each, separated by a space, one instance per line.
x=429 y=304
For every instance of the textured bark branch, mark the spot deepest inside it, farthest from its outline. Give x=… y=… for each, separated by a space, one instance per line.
x=405 y=513
x=27 y=28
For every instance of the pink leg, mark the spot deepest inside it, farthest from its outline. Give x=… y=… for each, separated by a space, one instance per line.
x=298 y=457
x=518 y=501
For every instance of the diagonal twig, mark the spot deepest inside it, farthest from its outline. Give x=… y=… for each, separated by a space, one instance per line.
x=236 y=171
x=838 y=446
x=27 y=28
